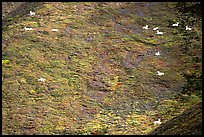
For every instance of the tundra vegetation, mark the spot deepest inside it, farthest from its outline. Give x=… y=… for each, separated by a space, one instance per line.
x=100 y=67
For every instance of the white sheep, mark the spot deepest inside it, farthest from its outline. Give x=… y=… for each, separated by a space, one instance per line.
x=42 y=79
x=187 y=28
x=160 y=73
x=159 y=33
x=176 y=24
x=31 y=13
x=25 y=28
x=156 y=28
x=157 y=122
x=54 y=29
x=145 y=27
x=158 y=53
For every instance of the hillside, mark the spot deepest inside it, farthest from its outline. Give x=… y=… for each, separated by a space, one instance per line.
x=100 y=67
x=188 y=123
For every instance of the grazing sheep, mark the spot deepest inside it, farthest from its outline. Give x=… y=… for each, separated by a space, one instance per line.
x=28 y=28
x=42 y=79
x=187 y=28
x=156 y=28
x=159 y=33
x=31 y=13
x=145 y=27
x=158 y=53
x=160 y=73
x=176 y=24
x=54 y=29
x=157 y=122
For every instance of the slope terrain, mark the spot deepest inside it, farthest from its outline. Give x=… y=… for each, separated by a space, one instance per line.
x=189 y=123
x=100 y=68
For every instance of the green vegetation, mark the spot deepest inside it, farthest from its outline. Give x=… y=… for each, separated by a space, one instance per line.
x=5 y=61
x=95 y=83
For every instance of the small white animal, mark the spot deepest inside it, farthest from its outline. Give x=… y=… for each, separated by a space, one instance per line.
x=31 y=13
x=157 y=122
x=145 y=27
x=159 y=33
x=158 y=53
x=156 y=28
x=54 y=29
x=176 y=24
x=28 y=28
x=187 y=28
x=42 y=79
x=160 y=73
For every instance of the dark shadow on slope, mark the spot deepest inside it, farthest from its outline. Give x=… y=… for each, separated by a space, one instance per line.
x=195 y=8
x=188 y=123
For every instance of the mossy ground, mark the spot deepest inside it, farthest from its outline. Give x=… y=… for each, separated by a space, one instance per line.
x=93 y=83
